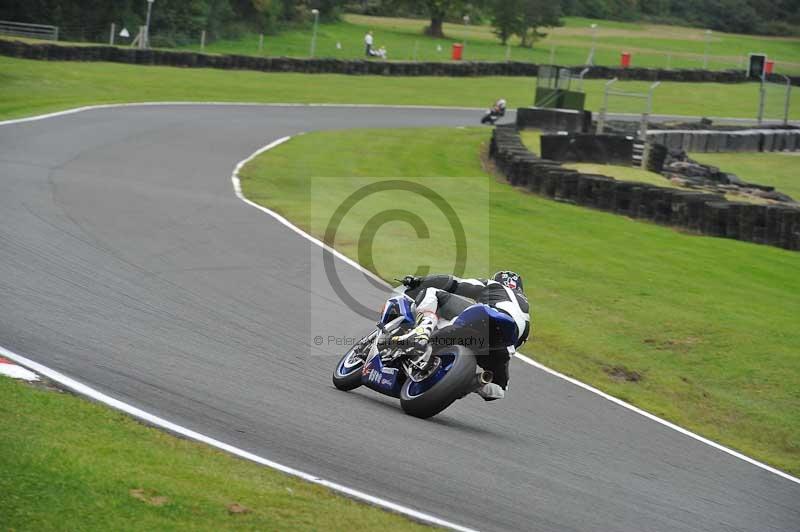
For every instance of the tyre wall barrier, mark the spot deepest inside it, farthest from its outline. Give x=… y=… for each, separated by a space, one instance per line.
x=584 y=147
x=694 y=211
x=748 y=140
x=548 y=119
x=55 y=52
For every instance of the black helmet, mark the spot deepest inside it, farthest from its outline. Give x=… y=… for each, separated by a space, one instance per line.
x=509 y=279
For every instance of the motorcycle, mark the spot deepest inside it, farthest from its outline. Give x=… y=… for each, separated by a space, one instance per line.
x=493 y=115
x=430 y=381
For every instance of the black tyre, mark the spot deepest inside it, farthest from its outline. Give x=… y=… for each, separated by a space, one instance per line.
x=347 y=375
x=449 y=382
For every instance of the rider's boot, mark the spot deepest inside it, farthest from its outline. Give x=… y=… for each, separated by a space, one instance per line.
x=421 y=334
x=491 y=392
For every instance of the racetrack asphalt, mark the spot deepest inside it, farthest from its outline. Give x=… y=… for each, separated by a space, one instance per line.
x=127 y=262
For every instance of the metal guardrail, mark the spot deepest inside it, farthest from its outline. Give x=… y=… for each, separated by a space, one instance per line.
x=787 y=98
x=31 y=31
x=648 y=108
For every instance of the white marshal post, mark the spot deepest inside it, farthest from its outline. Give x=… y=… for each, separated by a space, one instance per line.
x=315 y=12
x=147 y=24
x=590 y=59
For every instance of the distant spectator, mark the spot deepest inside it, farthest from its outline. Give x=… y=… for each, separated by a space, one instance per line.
x=368 y=44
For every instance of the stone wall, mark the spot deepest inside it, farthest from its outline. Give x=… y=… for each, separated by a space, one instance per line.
x=55 y=52
x=702 y=213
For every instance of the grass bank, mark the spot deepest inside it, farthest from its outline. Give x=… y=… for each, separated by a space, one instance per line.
x=69 y=464
x=651 y=45
x=30 y=87
x=780 y=170
x=699 y=330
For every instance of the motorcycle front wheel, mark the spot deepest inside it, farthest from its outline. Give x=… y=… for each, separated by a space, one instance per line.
x=347 y=375
x=450 y=381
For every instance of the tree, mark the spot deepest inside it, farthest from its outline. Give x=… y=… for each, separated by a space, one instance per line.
x=537 y=14
x=524 y=18
x=506 y=18
x=438 y=10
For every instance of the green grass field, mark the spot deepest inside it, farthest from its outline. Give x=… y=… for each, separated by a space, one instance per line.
x=709 y=325
x=780 y=170
x=31 y=87
x=651 y=45
x=69 y=464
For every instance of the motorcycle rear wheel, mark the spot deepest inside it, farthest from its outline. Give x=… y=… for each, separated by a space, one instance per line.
x=425 y=400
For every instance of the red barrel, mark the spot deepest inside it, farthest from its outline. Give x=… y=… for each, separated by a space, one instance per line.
x=625 y=59
x=768 y=66
x=458 y=50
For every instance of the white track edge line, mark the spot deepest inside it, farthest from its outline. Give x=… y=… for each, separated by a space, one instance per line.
x=152 y=419
x=345 y=105
x=230 y=104
x=238 y=190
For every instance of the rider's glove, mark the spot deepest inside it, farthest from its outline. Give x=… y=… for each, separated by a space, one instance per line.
x=411 y=281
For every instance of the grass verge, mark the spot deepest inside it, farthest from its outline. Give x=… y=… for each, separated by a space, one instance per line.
x=780 y=170
x=569 y=45
x=699 y=330
x=30 y=87
x=69 y=464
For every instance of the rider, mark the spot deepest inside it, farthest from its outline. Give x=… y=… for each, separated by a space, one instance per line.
x=503 y=292
x=499 y=108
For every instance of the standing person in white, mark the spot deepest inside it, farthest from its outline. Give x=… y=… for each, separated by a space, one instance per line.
x=368 y=43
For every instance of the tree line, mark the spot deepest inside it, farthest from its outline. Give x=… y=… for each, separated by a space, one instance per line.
x=179 y=21
x=173 y=22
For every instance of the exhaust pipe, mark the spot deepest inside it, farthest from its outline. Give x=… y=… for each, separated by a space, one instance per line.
x=480 y=380
x=483 y=378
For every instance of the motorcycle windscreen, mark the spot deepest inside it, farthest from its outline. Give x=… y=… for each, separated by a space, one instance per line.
x=397 y=306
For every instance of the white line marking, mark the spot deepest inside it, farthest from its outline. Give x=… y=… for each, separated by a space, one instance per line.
x=15 y=371
x=237 y=189
x=657 y=419
x=231 y=104
x=90 y=392
x=345 y=105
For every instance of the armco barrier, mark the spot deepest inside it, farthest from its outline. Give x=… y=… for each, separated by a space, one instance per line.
x=54 y=52
x=699 y=212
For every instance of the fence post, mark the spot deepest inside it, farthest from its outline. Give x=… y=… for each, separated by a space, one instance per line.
x=601 y=122
x=508 y=52
x=787 y=100
x=203 y=40
x=260 y=43
x=669 y=61
x=648 y=110
x=56 y=33
x=762 y=93
x=552 y=54
x=111 y=34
